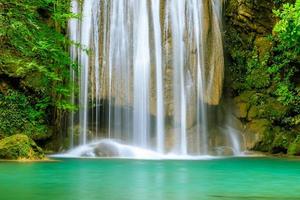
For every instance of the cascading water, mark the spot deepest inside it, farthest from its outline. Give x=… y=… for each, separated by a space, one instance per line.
x=148 y=69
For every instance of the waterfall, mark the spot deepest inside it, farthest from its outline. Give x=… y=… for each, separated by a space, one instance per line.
x=160 y=132
x=73 y=32
x=147 y=72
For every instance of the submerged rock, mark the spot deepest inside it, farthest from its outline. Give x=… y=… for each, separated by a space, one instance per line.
x=19 y=147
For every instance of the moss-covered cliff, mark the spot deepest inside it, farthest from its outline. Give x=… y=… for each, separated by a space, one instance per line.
x=263 y=72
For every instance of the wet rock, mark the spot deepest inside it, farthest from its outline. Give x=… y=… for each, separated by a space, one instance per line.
x=106 y=150
x=223 y=151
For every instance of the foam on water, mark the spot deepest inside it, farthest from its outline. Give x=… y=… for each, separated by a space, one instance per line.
x=107 y=148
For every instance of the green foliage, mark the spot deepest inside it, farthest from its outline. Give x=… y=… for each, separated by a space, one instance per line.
x=287 y=51
x=294 y=147
x=288 y=28
x=22 y=114
x=33 y=40
x=34 y=49
x=257 y=76
x=272 y=72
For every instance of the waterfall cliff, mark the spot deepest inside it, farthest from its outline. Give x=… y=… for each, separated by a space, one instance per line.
x=148 y=69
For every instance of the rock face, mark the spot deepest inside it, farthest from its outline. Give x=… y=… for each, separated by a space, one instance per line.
x=247 y=24
x=18 y=147
x=251 y=15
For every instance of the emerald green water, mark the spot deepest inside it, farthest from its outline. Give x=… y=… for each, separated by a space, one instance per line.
x=82 y=179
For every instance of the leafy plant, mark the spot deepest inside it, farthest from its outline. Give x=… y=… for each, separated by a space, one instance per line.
x=22 y=114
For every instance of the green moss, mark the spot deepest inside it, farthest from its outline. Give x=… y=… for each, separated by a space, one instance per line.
x=281 y=141
x=253 y=113
x=294 y=148
x=245 y=96
x=264 y=46
x=19 y=147
x=261 y=127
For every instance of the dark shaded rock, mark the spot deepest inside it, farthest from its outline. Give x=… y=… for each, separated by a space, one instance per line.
x=18 y=147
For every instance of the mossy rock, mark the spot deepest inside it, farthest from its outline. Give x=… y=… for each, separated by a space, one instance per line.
x=253 y=113
x=258 y=135
x=259 y=126
x=244 y=96
x=263 y=45
x=274 y=109
x=294 y=148
x=241 y=110
x=242 y=104
x=34 y=81
x=281 y=141
x=9 y=63
x=275 y=140
x=19 y=147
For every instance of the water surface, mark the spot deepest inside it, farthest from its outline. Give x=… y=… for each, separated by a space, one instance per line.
x=88 y=179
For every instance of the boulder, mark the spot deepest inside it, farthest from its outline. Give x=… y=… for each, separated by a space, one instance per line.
x=106 y=150
x=255 y=132
x=19 y=147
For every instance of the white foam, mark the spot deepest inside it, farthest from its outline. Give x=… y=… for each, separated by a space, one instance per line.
x=123 y=151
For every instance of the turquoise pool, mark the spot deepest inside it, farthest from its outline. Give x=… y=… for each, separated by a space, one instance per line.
x=88 y=179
